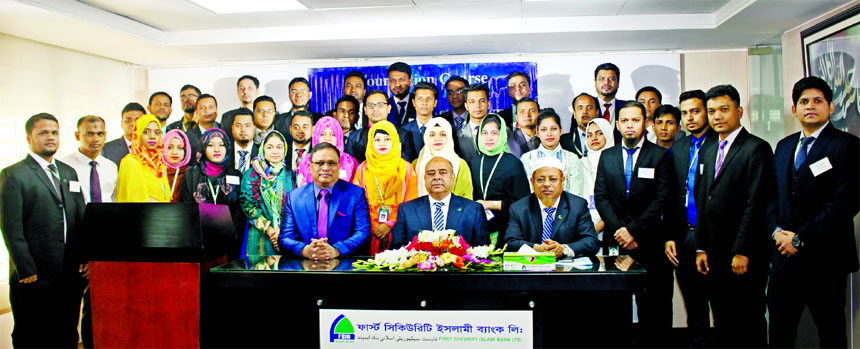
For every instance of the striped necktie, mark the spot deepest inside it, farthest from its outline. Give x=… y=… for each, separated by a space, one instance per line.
x=55 y=178
x=242 y=161
x=547 y=224
x=438 y=221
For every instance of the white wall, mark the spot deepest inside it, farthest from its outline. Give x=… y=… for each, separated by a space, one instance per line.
x=560 y=76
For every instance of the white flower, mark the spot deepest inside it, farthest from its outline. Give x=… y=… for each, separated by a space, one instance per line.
x=480 y=251
x=433 y=236
x=397 y=256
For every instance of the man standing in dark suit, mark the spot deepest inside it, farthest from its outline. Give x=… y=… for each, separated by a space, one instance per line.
x=118 y=148
x=188 y=97
x=377 y=109
x=631 y=192
x=40 y=205
x=440 y=210
x=519 y=87
x=244 y=149
x=399 y=83
x=734 y=187
x=454 y=93
x=300 y=98
x=355 y=86
x=811 y=218
x=551 y=219
x=247 y=88
x=424 y=99
x=525 y=139
x=584 y=110
x=606 y=78
x=681 y=240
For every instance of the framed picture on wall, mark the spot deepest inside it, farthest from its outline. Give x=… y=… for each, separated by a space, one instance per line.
x=831 y=51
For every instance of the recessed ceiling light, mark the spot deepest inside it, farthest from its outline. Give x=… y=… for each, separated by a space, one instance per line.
x=233 y=6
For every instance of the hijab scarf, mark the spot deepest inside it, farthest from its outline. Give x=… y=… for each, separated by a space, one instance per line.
x=389 y=169
x=594 y=155
x=215 y=169
x=502 y=144
x=264 y=167
x=165 y=142
x=428 y=153
x=150 y=158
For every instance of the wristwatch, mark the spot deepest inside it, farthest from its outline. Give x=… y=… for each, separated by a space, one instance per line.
x=795 y=241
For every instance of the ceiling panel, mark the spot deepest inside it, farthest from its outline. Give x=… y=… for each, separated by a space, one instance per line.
x=448 y=10
x=334 y=4
x=647 y=7
x=168 y=15
x=565 y=8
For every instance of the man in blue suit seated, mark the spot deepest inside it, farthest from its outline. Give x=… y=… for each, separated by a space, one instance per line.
x=440 y=210
x=345 y=223
x=551 y=219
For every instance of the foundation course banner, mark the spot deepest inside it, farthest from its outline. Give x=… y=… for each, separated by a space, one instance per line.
x=345 y=328
x=327 y=83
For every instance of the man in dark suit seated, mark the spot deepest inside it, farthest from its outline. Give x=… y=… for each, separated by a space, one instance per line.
x=519 y=87
x=118 y=148
x=733 y=247
x=811 y=218
x=377 y=109
x=40 y=205
x=440 y=210
x=551 y=219
x=328 y=218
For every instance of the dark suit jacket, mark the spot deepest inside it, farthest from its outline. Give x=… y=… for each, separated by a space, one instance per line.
x=394 y=118
x=357 y=144
x=732 y=207
x=509 y=115
x=676 y=217
x=31 y=218
x=417 y=137
x=572 y=225
x=518 y=145
x=820 y=209
x=465 y=216
x=448 y=116
x=570 y=141
x=348 y=219
x=639 y=212
x=615 y=132
x=115 y=150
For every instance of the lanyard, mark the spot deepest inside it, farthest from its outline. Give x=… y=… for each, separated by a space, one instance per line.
x=214 y=191
x=693 y=161
x=381 y=197
x=487 y=186
x=173 y=187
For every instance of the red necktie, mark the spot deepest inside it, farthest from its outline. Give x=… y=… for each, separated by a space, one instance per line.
x=606 y=111
x=299 y=157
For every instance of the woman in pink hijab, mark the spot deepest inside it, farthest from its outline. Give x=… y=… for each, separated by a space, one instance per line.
x=176 y=156
x=328 y=129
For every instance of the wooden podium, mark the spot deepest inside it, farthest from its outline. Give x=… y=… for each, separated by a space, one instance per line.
x=146 y=265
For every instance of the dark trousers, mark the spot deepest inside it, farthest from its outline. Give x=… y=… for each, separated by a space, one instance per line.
x=654 y=304
x=738 y=303
x=46 y=315
x=693 y=290
x=790 y=291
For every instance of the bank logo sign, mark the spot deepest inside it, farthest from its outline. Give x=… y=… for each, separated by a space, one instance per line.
x=341 y=330
x=351 y=328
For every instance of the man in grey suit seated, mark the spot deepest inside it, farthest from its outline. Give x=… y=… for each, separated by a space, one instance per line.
x=551 y=219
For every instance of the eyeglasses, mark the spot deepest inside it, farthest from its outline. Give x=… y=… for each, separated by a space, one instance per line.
x=376 y=105
x=266 y=111
x=321 y=164
x=297 y=91
x=456 y=92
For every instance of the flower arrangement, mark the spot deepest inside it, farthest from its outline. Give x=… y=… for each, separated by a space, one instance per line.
x=435 y=250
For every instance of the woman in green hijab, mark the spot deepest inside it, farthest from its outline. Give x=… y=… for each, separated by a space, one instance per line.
x=499 y=178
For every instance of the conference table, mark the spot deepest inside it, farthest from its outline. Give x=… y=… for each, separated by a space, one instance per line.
x=276 y=301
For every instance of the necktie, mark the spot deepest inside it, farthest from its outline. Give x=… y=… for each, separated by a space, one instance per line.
x=95 y=183
x=691 y=180
x=547 y=224
x=584 y=144
x=242 y=161
x=476 y=132
x=458 y=122
x=322 y=215
x=628 y=170
x=438 y=222
x=801 y=154
x=422 y=130
x=401 y=109
x=300 y=152
x=606 y=111
x=720 y=157
x=55 y=178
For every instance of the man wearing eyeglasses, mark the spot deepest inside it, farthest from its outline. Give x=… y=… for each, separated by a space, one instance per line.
x=377 y=109
x=329 y=218
x=454 y=89
x=300 y=97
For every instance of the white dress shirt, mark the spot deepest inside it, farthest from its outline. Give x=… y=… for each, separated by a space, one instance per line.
x=44 y=165
x=635 y=154
x=731 y=138
x=583 y=142
x=815 y=134
x=472 y=127
x=611 y=109
x=447 y=203
x=566 y=249
x=236 y=149
x=107 y=174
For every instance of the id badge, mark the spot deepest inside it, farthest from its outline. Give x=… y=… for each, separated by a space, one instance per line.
x=687 y=197
x=383 y=214
x=489 y=214
x=613 y=251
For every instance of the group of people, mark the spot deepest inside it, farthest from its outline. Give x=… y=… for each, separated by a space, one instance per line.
x=713 y=204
